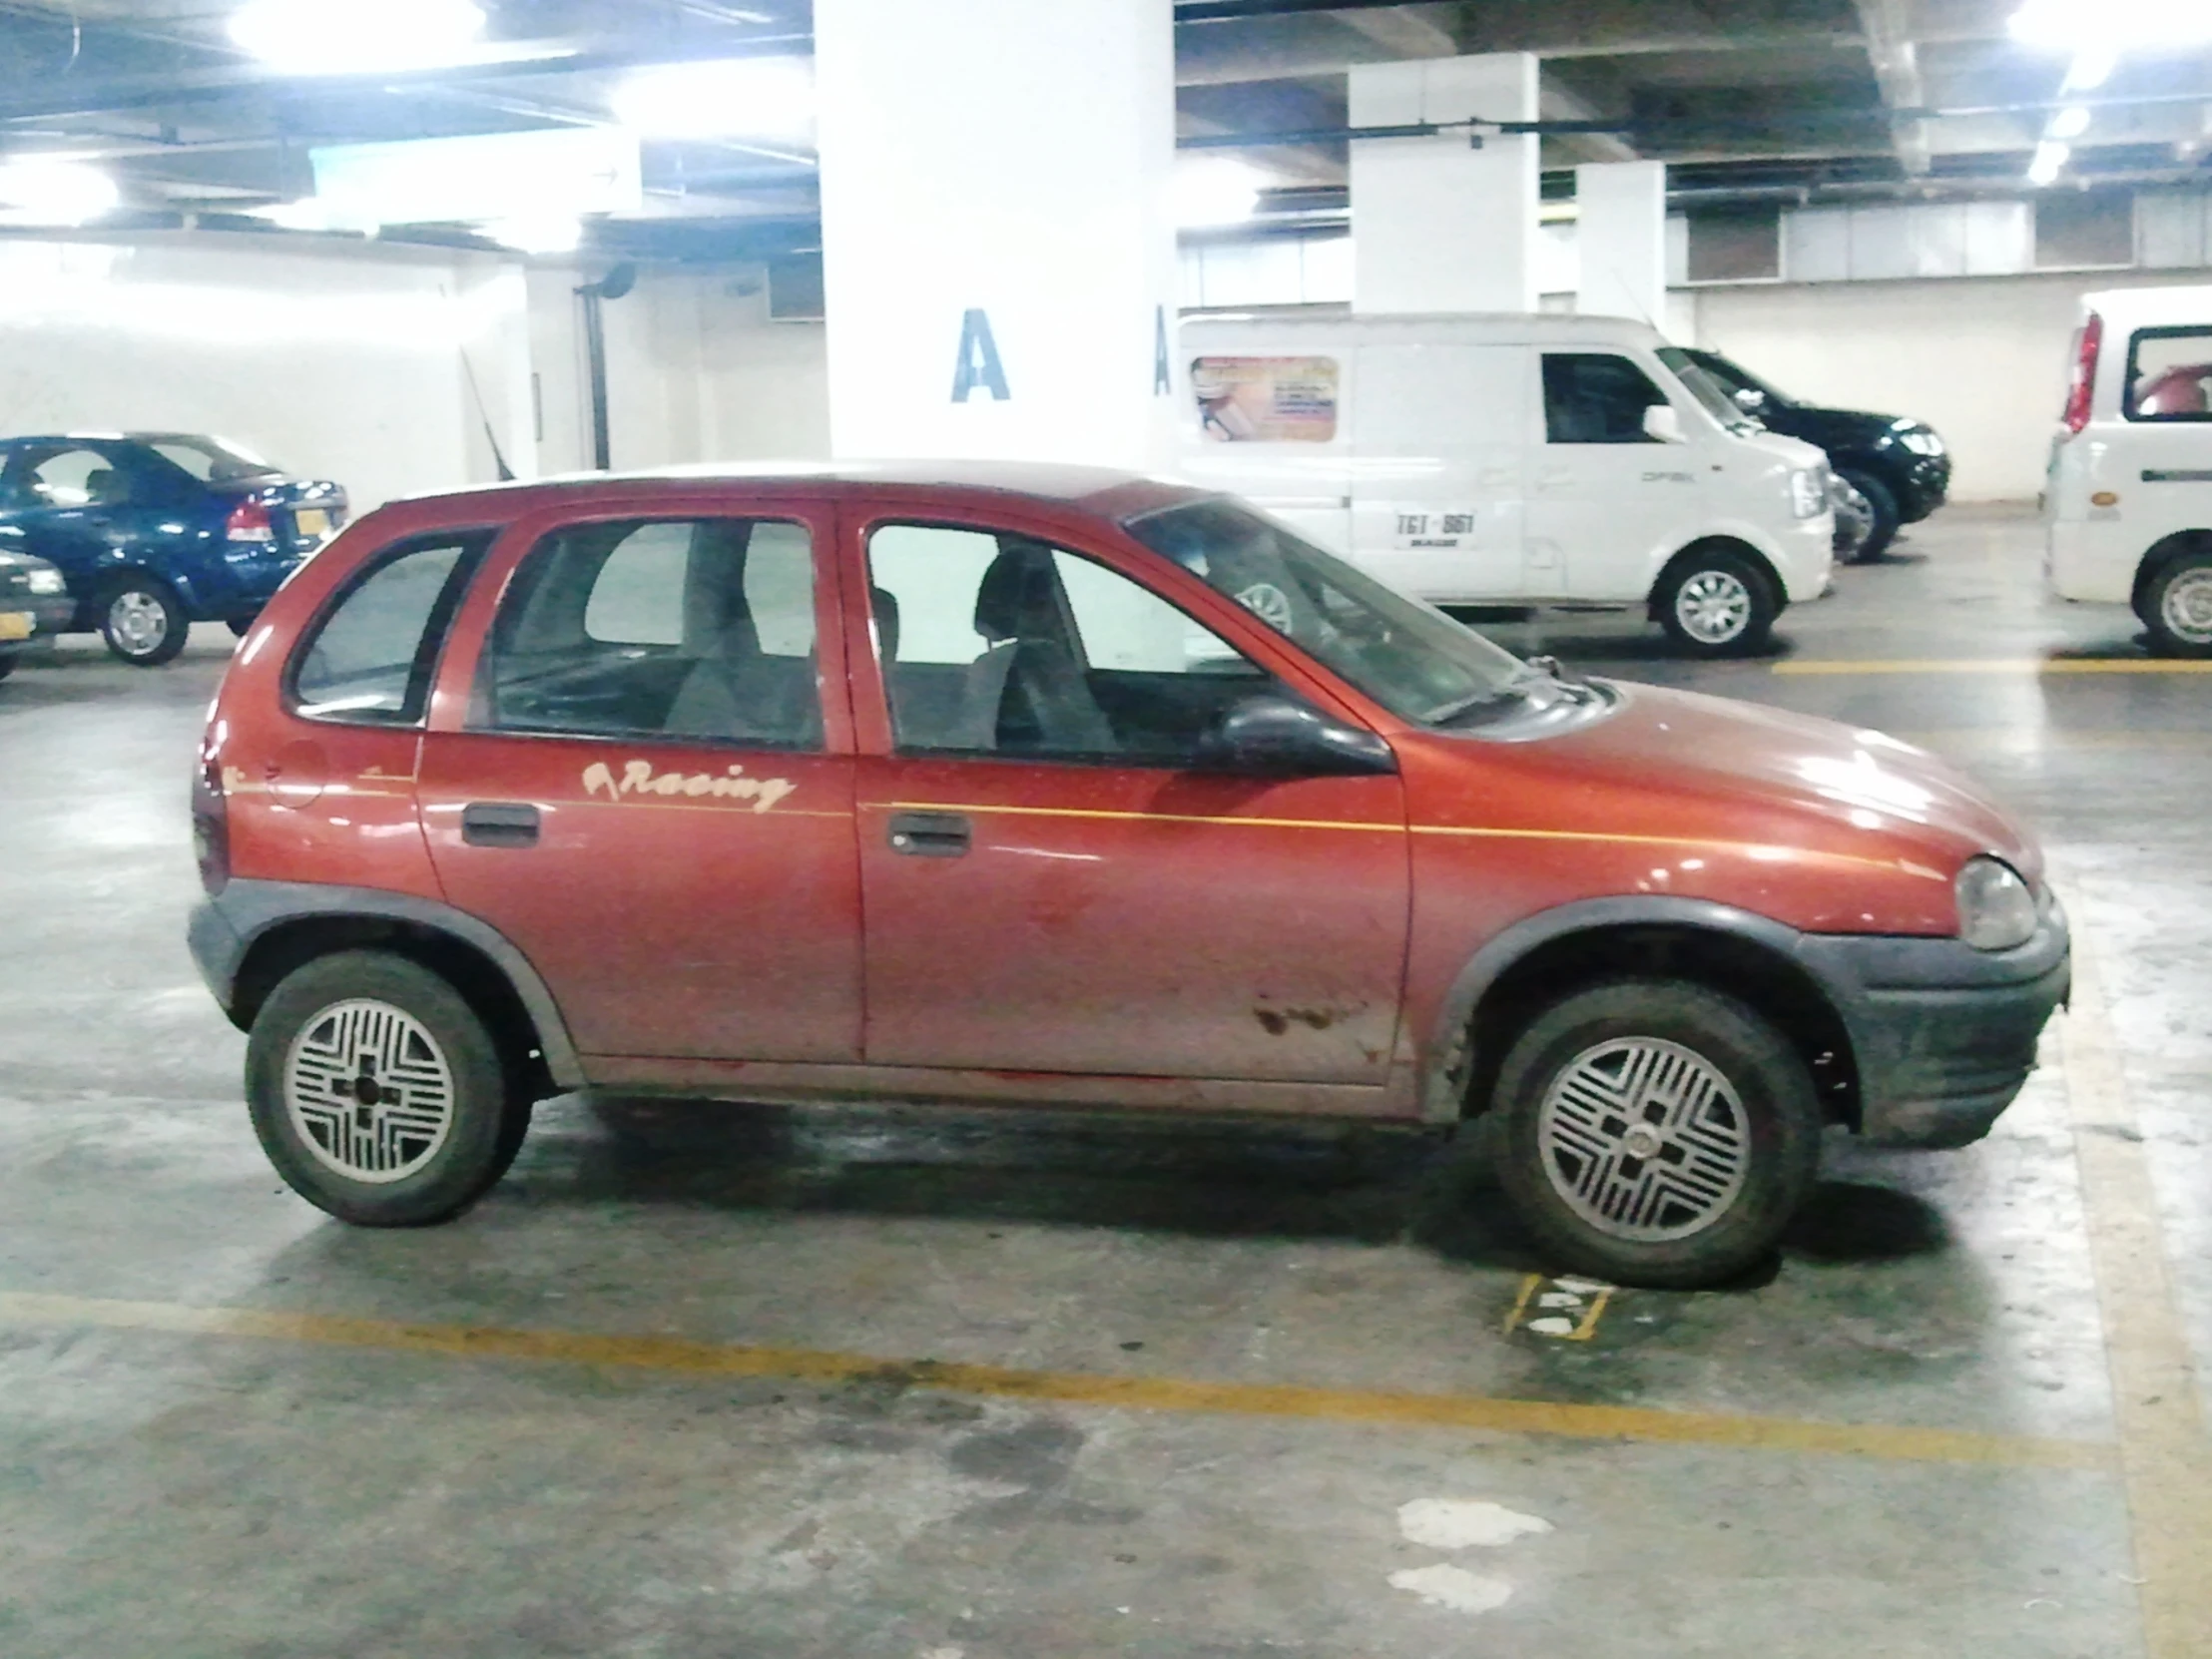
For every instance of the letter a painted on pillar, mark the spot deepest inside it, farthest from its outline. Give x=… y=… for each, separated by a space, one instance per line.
x=1162 y=382
x=978 y=360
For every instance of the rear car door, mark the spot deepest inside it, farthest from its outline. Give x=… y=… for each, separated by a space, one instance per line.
x=638 y=773
x=1053 y=883
x=1443 y=449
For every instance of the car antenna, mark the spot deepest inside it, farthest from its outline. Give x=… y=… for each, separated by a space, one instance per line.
x=477 y=392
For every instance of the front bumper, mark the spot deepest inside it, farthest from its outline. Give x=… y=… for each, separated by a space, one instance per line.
x=1926 y=484
x=1806 y=558
x=1943 y=1034
x=50 y=614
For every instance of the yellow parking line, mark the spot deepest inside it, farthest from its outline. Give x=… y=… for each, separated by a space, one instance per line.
x=1999 y=664
x=2165 y=1454
x=683 y=1357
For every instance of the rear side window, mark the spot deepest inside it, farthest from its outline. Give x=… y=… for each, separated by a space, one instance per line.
x=2169 y=374
x=371 y=656
x=1592 y=398
x=695 y=629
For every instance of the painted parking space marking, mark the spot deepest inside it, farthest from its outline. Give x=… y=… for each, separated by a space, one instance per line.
x=684 y=1356
x=1564 y=1308
x=1998 y=665
x=2165 y=1447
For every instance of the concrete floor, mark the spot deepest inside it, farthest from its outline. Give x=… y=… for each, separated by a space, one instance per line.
x=225 y=1429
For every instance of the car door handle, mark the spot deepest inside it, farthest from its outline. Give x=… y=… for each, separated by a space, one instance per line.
x=929 y=835
x=499 y=823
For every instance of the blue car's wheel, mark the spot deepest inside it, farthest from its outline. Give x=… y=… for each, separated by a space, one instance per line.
x=142 y=622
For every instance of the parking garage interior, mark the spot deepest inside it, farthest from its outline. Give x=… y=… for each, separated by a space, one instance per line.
x=870 y=1374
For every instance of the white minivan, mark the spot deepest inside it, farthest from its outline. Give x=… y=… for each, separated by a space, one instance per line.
x=1514 y=461
x=2127 y=506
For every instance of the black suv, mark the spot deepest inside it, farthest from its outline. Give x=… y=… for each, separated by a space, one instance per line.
x=1900 y=467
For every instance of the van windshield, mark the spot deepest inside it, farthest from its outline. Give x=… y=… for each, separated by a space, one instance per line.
x=1706 y=389
x=1416 y=661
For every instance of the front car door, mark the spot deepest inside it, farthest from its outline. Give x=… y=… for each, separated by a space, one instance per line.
x=1053 y=883
x=1604 y=494
x=635 y=772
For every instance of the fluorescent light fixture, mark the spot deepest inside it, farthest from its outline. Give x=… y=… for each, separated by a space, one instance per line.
x=353 y=37
x=766 y=98
x=2113 y=25
x=2050 y=158
x=54 y=190
x=2092 y=66
x=538 y=233
x=1216 y=190
x=2069 y=122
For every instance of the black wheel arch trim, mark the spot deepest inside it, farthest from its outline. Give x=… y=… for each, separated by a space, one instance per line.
x=224 y=928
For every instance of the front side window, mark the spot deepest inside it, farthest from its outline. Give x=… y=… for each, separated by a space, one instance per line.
x=371 y=658
x=699 y=629
x=1415 y=662
x=995 y=644
x=1593 y=397
x=75 y=478
x=2169 y=374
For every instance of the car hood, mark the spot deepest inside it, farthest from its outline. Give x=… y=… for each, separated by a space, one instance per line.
x=1800 y=781
x=1828 y=426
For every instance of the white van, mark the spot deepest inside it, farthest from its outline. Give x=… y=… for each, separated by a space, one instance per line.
x=2127 y=506
x=1524 y=460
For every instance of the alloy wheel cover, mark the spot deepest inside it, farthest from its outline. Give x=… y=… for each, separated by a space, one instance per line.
x=1713 y=606
x=1644 y=1140
x=2186 y=608
x=369 y=1091
x=139 y=621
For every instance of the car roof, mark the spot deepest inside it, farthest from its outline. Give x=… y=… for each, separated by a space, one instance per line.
x=110 y=437
x=1473 y=327
x=1104 y=491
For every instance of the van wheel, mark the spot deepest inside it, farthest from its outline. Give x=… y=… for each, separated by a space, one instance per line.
x=378 y=1093
x=2177 y=606
x=1717 y=602
x=142 y=622
x=1887 y=517
x=1655 y=1132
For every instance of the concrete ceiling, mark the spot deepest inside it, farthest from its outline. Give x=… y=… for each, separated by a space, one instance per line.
x=1742 y=98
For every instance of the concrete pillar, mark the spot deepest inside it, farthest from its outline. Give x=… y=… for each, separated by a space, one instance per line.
x=1438 y=224
x=998 y=241
x=1621 y=238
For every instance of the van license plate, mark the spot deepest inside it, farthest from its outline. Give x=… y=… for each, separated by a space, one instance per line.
x=17 y=625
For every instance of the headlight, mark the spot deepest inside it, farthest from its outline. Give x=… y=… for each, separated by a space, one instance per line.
x=1921 y=443
x=46 y=581
x=1995 y=909
x=1808 y=493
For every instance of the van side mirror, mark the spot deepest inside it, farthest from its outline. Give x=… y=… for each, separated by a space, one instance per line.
x=1750 y=400
x=1662 y=423
x=1270 y=736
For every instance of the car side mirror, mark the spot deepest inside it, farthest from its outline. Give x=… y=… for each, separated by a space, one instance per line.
x=1272 y=736
x=1750 y=400
x=1662 y=423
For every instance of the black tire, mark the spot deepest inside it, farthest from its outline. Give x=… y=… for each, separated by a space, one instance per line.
x=1725 y=576
x=1887 y=517
x=240 y=625
x=142 y=622
x=427 y=1179
x=1759 y=1153
x=7 y=664
x=2177 y=606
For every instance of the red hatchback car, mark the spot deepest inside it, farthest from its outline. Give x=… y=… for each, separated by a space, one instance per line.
x=1058 y=787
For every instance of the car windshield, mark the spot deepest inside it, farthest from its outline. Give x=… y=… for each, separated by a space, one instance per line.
x=1706 y=388
x=211 y=460
x=1734 y=377
x=1416 y=661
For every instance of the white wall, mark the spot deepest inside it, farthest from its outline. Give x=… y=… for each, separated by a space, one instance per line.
x=1982 y=361
x=339 y=363
x=696 y=371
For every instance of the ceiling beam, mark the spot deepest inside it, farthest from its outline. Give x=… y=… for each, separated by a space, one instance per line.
x=1895 y=57
x=1559 y=103
x=1406 y=31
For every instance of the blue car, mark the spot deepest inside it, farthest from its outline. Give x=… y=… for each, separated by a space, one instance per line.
x=154 y=531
